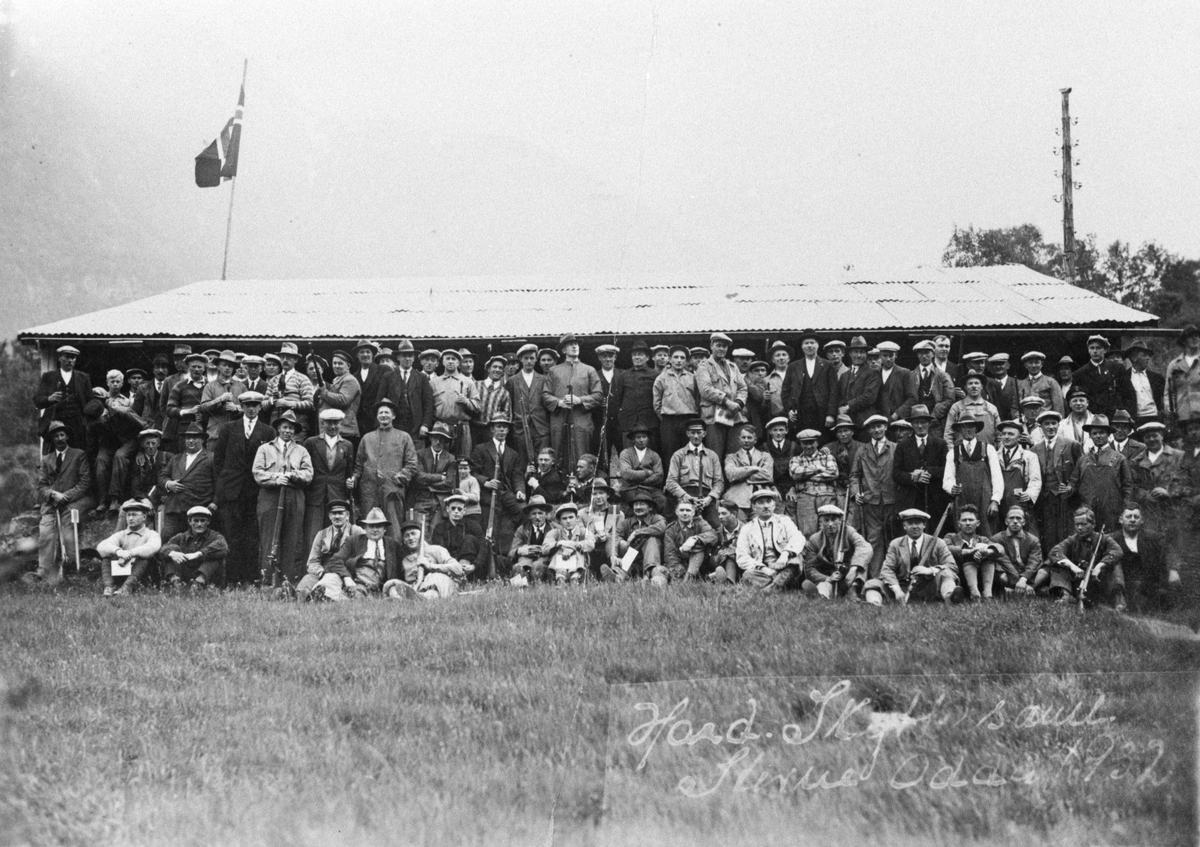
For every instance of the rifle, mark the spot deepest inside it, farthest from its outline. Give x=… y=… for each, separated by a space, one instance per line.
x=838 y=553
x=1087 y=575
x=75 y=529
x=490 y=535
x=421 y=555
x=937 y=533
x=271 y=570
x=62 y=545
x=526 y=436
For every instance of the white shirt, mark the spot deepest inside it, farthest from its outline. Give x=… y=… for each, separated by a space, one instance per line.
x=609 y=375
x=1145 y=397
x=1153 y=456
x=884 y=374
x=499 y=447
x=189 y=458
x=528 y=378
x=1130 y=542
x=374 y=551
x=66 y=376
x=249 y=425
x=332 y=440
x=810 y=365
x=362 y=374
x=641 y=454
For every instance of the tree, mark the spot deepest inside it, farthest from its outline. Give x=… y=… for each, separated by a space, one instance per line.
x=1018 y=245
x=19 y=372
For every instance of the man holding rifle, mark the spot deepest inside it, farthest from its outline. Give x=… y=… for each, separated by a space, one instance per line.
x=498 y=469
x=835 y=557
x=531 y=421
x=571 y=392
x=282 y=470
x=1087 y=555
x=917 y=566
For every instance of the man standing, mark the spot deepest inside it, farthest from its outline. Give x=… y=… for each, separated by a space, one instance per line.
x=1005 y=392
x=237 y=491
x=194 y=557
x=1059 y=460
x=1122 y=428
x=859 y=387
x=188 y=480
x=150 y=403
x=747 y=469
x=722 y=395
x=531 y=421
x=255 y=381
x=497 y=468
x=282 y=469
x=1069 y=560
x=695 y=474
x=218 y=400
x=333 y=463
x=436 y=476
x=941 y=358
x=640 y=467
x=662 y=356
x=814 y=474
x=604 y=416
x=1140 y=390
x=61 y=396
x=633 y=398
x=835 y=352
x=185 y=403
x=973 y=473
x=973 y=406
x=343 y=395
x=769 y=546
x=494 y=399
x=455 y=403
x=1021 y=472
x=896 y=396
x=1099 y=378
x=810 y=389
x=929 y=386
x=1102 y=478
x=1181 y=396
x=873 y=488
x=64 y=483
x=1153 y=472
x=413 y=394
x=774 y=383
x=384 y=464
x=369 y=377
x=676 y=401
x=920 y=465
x=143 y=471
x=1038 y=384
x=295 y=390
x=571 y=392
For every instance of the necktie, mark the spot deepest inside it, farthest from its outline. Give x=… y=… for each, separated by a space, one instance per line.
x=921 y=444
x=337 y=541
x=58 y=463
x=330 y=452
x=913 y=554
x=878 y=448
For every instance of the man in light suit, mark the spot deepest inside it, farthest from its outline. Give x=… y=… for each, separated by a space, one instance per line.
x=64 y=483
x=859 y=387
x=236 y=491
x=723 y=396
x=333 y=462
x=526 y=387
x=189 y=479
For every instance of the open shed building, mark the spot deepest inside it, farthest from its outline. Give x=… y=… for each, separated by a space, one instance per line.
x=1007 y=308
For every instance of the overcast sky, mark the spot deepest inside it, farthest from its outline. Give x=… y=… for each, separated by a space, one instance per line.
x=763 y=138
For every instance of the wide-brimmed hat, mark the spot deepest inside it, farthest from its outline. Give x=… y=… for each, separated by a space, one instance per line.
x=181 y=350
x=1065 y=360
x=920 y=412
x=642 y=495
x=1098 y=422
x=537 y=501
x=384 y=353
x=288 y=416
x=195 y=431
x=385 y=402
x=598 y=484
x=365 y=344
x=289 y=348
x=781 y=345
x=1189 y=331
x=404 y=345
x=969 y=419
x=228 y=356
x=844 y=422
x=376 y=517
x=858 y=342
x=161 y=359
x=1138 y=344
x=442 y=430
x=569 y=338
x=639 y=346
x=640 y=429
x=1122 y=417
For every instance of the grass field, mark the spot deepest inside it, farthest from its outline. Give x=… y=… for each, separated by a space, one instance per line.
x=509 y=718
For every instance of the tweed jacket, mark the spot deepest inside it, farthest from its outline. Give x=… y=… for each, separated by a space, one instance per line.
x=74 y=480
x=199 y=482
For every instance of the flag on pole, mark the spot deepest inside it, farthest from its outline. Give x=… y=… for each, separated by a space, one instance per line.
x=219 y=160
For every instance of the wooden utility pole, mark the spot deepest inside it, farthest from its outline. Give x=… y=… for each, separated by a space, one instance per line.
x=1068 y=202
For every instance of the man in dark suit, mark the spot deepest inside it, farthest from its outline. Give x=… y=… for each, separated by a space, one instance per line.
x=781 y=449
x=1140 y=390
x=497 y=468
x=367 y=371
x=632 y=401
x=859 y=387
x=810 y=389
x=64 y=483
x=61 y=396
x=896 y=396
x=189 y=479
x=333 y=463
x=150 y=402
x=462 y=539
x=604 y=415
x=436 y=476
x=409 y=387
x=919 y=465
x=237 y=492
x=930 y=387
x=526 y=388
x=1099 y=378
x=1006 y=394
x=365 y=562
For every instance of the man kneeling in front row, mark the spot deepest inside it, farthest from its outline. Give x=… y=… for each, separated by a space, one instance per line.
x=830 y=571
x=916 y=566
x=429 y=571
x=194 y=557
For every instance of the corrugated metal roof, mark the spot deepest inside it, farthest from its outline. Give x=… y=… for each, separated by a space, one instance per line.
x=532 y=306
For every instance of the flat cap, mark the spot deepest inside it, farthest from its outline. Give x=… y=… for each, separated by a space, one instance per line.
x=332 y=415
x=914 y=515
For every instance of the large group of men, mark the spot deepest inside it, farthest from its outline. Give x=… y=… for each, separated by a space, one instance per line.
x=830 y=469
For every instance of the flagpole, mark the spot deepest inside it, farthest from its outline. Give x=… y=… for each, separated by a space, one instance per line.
x=232 y=189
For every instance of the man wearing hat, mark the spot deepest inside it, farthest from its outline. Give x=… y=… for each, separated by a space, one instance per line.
x=639 y=466
x=757 y=387
x=369 y=376
x=428 y=571
x=835 y=353
x=342 y=395
x=696 y=355
x=1153 y=471
x=873 y=487
x=384 y=465
x=146 y=466
x=1038 y=384
x=602 y=520
x=128 y=552
x=117 y=429
x=436 y=476
x=194 y=557
x=412 y=391
x=1031 y=432
x=633 y=398
x=722 y=396
x=859 y=387
x=462 y=539
x=150 y=402
x=254 y=381
x=747 y=468
x=896 y=394
x=455 y=401
x=568 y=546
x=769 y=546
x=237 y=444
x=1069 y=559
x=321 y=583
x=1181 y=395
x=1099 y=378
x=61 y=396
x=528 y=549
x=64 y=483
x=809 y=390
x=365 y=563
x=676 y=401
x=218 y=400
x=1063 y=373
x=694 y=473
x=780 y=355
x=494 y=398
x=661 y=354
x=187 y=480
x=917 y=566
x=1005 y=393
x=571 y=392
x=546 y=359
x=497 y=468
x=1058 y=459
x=973 y=405
x=814 y=474
x=919 y=465
x=1140 y=390
x=179 y=358
x=1074 y=426
x=930 y=387
x=1102 y=478
x=687 y=544
x=829 y=570
x=1122 y=430
x=973 y=473
x=292 y=391
x=604 y=416
x=184 y=404
x=282 y=469
x=333 y=464
x=531 y=420
x=941 y=358
x=1021 y=472
x=642 y=531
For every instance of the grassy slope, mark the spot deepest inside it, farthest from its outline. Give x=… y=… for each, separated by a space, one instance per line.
x=485 y=720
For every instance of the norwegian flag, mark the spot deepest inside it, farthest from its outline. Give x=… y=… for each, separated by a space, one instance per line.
x=219 y=160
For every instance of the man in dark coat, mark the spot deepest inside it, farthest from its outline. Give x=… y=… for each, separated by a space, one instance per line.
x=61 y=396
x=64 y=483
x=859 y=387
x=333 y=463
x=237 y=492
x=919 y=466
x=525 y=387
x=188 y=480
x=1140 y=390
x=810 y=388
x=633 y=398
x=409 y=387
x=497 y=468
x=1099 y=378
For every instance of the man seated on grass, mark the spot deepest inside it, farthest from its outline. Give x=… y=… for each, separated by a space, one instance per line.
x=194 y=557
x=365 y=562
x=916 y=566
x=1021 y=568
x=133 y=547
x=829 y=571
x=1148 y=563
x=428 y=572
x=687 y=543
x=464 y=541
x=602 y=520
x=642 y=531
x=976 y=555
x=529 y=543
x=724 y=557
x=568 y=545
x=320 y=582
x=1069 y=561
x=769 y=546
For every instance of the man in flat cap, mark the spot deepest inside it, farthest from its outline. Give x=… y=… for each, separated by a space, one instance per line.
x=676 y=401
x=531 y=420
x=195 y=556
x=128 y=552
x=1059 y=459
x=369 y=377
x=494 y=398
x=1038 y=384
x=236 y=489
x=835 y=353
x=1021 y=471
x=282 y=469
x=633 y=399
x=835 y=558
x=722 y=396
x=147 y=464
x=188 y=480
x=463 y=539
x=1099 y=378
x=294 y=390
x=61 y=396
x=930 y=387
x=321 y=582
x=769 y=546
x=333 y=464
x=809 y=389
x=185 y=402
x=873 y=488
x=814 y=474
x=64 y=483
x=571 y=392
x=1153 y=472
x=255 y=380
x=1005 y=393
x=859 y=387
x=342 y=395
x=455 y=401
x=604 y=416
x=917 y=566
x=1075 y=424
x=774 y=381
x=757 y=387
x=896 y=394
x=218 y=400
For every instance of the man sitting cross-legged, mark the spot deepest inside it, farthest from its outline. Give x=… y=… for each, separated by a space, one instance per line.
x=132 y=548
x=528 y=551
x=830 y=571
x=916 y=566
x=568 y=545
x=643 y=531
x=195 y=556
x=769 y=546
x=688 y=543
x=321 y=583
x=428 y=572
